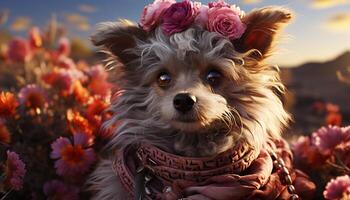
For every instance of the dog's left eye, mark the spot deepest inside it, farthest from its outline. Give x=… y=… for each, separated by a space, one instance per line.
x=213 y=77
x=164 y=79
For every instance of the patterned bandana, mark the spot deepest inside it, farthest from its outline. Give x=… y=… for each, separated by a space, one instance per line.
x=235 y=174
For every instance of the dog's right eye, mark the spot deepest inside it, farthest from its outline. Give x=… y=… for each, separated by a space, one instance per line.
x=164 y=80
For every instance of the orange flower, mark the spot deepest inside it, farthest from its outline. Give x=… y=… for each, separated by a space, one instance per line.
x=332 y=108
x=96 y=107
x=334 y=119
x=81 y=93
x=5 y=136
x=78 y=124
x=94 y=111
x=8 y=104
x=35 y=39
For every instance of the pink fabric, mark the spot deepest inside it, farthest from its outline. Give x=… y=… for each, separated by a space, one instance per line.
x=258 y=181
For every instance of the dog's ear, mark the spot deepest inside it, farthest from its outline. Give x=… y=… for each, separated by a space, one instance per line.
x=263 y=26
x=118 y=37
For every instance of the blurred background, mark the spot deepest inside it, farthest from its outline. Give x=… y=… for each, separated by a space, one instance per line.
x=52 y=84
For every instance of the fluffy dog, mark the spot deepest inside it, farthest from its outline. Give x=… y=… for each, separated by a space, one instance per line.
x=194 y=93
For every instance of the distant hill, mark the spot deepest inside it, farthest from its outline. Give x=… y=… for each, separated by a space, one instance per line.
x=315 y=82
x=319 y=81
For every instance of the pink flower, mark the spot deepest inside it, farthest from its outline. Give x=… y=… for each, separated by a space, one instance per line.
x=338 y=188
x=56 y=189
x=226 y=21
x=65 y=62
x=202 y=17
x=306 y=153
x=15 y=171
x=219 y=4
x=343 y=151
x=63 y=47
x=72 y=159
x=326 y=138
x=152 y=12
x=99 y=84
x=33 y=96
x=19 y=50
x=178 y=17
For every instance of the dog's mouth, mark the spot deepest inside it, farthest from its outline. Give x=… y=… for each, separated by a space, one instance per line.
x=192 y=125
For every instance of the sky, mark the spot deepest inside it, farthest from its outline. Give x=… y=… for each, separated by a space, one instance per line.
x=319 y=32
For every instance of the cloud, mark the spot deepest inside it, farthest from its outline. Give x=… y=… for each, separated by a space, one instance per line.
x=251 y=1
x=339 y=22
x=21 y=24
x=86 y=8
x=79 y=22
x=321 y=4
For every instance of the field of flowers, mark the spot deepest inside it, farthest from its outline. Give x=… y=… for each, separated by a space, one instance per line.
x=50 y=116
x=52 y=108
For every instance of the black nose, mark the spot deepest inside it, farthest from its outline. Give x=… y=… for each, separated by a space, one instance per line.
x=184 y=102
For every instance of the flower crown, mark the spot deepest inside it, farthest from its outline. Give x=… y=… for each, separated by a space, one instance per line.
x=174 y=17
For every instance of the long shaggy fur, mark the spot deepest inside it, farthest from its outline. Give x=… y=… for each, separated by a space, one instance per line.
x=246 y=107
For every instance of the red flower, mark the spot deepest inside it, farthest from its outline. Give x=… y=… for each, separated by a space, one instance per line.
x=60 y=79
x=178 y=17
x=334 y=119
x=5 y=136
x=19 y=50
x=15 y=171
x=78 y=123
x=96 y=107
x=94 y=112
x=8 y=104
x=81 y=94
x=32 y=96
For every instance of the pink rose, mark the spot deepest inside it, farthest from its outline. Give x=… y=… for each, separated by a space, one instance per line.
x=151 y=13
x=202 y=17
x=179 y=16
x=226 y=21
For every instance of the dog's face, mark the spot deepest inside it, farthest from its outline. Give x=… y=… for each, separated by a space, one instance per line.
x=198 y=82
